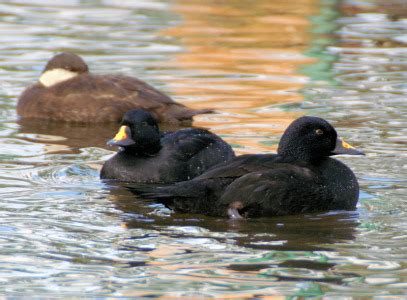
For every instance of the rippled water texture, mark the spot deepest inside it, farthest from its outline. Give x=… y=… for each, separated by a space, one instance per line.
x=261 y=64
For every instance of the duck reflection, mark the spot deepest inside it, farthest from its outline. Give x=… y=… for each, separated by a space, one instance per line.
x=61 y=137
x=243 y=59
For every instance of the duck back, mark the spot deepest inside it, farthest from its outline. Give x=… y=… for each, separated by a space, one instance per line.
x=100 y=98
x=184 y=154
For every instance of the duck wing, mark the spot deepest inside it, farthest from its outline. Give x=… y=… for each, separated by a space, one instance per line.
x=198 y=148
x=201 y=194
x=284 y=190
x=242 y=165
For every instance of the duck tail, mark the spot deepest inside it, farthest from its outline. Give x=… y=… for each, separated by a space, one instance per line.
x=189 y=113
x=166 y=193
x=183 y=113
x=158 y=192
x=202 y=111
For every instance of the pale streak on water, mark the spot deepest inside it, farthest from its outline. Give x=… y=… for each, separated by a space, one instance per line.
x=261 y=64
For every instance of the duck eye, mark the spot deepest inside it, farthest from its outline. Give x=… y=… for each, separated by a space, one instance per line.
x=144 y=123
x=319 y=131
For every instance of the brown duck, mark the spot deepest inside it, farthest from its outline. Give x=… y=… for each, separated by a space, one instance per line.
x=67 y=91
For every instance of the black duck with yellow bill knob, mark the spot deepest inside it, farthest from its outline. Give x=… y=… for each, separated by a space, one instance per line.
x=302 y=177
x=149 y=156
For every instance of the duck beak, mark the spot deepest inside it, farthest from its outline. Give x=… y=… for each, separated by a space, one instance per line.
x=343 y=147
x=122 y=138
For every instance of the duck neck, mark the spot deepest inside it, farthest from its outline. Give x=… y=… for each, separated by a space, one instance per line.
x=301 y=154
x=150 y=149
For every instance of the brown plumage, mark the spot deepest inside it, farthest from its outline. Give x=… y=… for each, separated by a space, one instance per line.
x=89 y=98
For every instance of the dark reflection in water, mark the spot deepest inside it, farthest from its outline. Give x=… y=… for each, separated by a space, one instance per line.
x=296 y=233
x=307 y=264
x=72 y=135
x=261 y=64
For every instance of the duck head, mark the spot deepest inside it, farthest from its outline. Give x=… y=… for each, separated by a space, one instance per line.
x=62 y=67
x=138 y=133
x=311 y=139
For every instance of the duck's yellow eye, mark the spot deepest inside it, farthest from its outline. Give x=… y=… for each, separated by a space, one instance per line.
x=319 y=131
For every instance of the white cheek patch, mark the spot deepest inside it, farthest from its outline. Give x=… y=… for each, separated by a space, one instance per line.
x=49 y=78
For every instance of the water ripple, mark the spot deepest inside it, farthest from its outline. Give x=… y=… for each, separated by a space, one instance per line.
x=67 y=234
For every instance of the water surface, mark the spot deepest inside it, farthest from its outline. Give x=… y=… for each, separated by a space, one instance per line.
x=261 y=64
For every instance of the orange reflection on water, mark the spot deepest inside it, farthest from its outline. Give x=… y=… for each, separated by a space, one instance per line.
x=242 y=58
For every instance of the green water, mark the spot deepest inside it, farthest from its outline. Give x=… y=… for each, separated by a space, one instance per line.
x=65 y=233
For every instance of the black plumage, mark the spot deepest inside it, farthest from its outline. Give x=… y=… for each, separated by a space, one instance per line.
x=149 y=156
x=301 y=177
